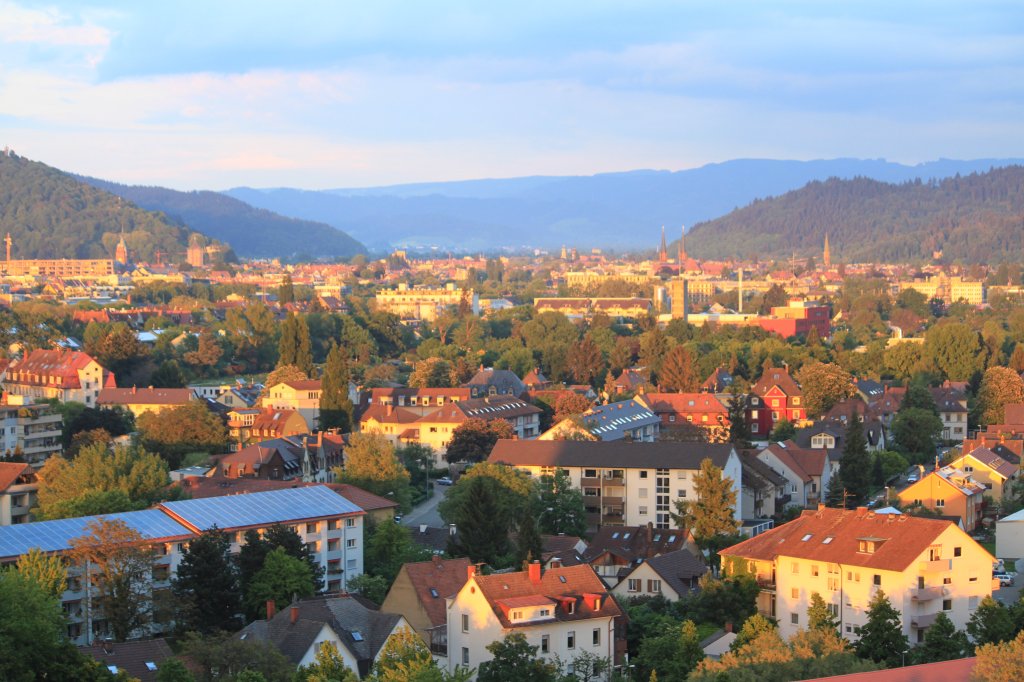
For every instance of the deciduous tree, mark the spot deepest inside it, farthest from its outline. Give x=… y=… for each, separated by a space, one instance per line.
x=562 y=511
x=281 y=578
x=824 y=385
x=473 y=439
x=432 y=373
x=1000 y=386
x=46 y=570
x=182 y=429
x=1002 y=662
x=371 y=464
x=514 y=658
x=328 y=666
x=570 y=404
x=942 y=642
x=990 y=623
x=679 y=373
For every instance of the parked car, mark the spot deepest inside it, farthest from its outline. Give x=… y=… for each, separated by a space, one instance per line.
x=444 y=480
x=1005 y=579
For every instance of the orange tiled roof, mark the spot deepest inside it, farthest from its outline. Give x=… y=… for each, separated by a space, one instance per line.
x=567 y=582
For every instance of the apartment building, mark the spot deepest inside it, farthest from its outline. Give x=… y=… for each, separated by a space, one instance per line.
x=703 y=410
x=565 y=612
x=425 y=303
x=67 y=375
x=925 y=567
x=33 y=431
x=328 y=523
x=623 y=483
x=303 y=396
x=18 y=487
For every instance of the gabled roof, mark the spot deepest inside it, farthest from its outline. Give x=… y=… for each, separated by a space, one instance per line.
x=992 y=460
x=756 y=469
x=145 y=396
x=719 y=381
x=684 y=403
x=614 y=420
x=135 y=657
x=804 y=463
x=504 y=381
x=11 y=472
x=436 y=580
x=574 y=583
x=617 y=454
x=678 y=568
x=199 y=487
x=631 y=544
x=776 y=376
x=50 y=363
x=259 y=509
x=832 y=536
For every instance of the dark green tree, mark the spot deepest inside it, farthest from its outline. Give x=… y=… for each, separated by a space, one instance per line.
x=168 y=375
x=784 y=430
x=739 y=430
x=855 y=463
x=482 y=524
x=529 y=546
x=916 y=431
x=818 y=615
x=286 y=291
x=335 y=406
x=389 y=546
x=513 y=658
x=473 y=439
x=671 y=654
x=991 y=623
x=881 y=637
x=206 y=584
x=560 y=504
x=280 y=579
x=942 y=642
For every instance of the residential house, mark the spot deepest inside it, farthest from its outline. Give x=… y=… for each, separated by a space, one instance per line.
x=720 y=381
x=762 y=489
x=418 y=594
x=925 y=567
x=565 y=612
x=64 y=375
x=18 y=488
x=33 y=431
x=624 y=484
x=775 y=396
x=330 y=525
x=139 y=401
x=631 y=380
x=806 y=471
x=302 y=396
x=702 y=410
x=490 y=382
x=307 y=456
x=615 y=550
x=420 y=401
x=627 y=419
x=948 y=491
x=298 y=632
x=139 y=660
x=989 y=469
x=952 y=405
x=672 y=575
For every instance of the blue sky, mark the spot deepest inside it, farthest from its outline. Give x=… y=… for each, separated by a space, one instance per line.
x=210 y=95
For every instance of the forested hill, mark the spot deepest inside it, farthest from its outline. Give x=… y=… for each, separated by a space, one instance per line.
x=50 y=214
x=978 y=218
x=252 y=232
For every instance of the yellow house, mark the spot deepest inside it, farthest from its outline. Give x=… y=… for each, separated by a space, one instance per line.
x=302 y=396
x=924 y=566
x=139 y=401
x=948 y=491
x=988 y=469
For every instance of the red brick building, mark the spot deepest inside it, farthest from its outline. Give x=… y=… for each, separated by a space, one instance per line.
x=775 y=396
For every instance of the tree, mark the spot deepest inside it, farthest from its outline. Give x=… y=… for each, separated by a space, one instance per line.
x=529 y=546
x=881 y=637
x=585 y=360
x=32 y=630
x=856 y=461
x=281 y=578
x=46 y=570
x=679 y=373
x=823 y=385
x=739 y=431
x=389 y=546
x=372 y=587
x=208 y=351
x=173 y=670
x=404 y=658
x=328 y=666
x=890 y=464
x=432 y=373
x=371 y=464
x=206 y=584
x=79 y=418
x=570 y=404
x=483 y=524
x=182 y=429
x=286 y=290
x=473 y=439
x=915 y=432
x=818 y=615
x=673 y=653
x=712 y=512
x=335 y=406
x=562 y=511
x=1016 y=362
x=168 y=375
x=512 y=490
x=256 y=547
x=955 y=350
x=753 y=628
x=1002 y=662
x=654 y=346
x=784 y=430
x=294 y=347
x=1000 y=386
x=513 y=658
x=942 y=642
x=121 y=352
x=990 y=623
x=99 y=481
x=836 y=493
x=225 y=657
x=118 y=565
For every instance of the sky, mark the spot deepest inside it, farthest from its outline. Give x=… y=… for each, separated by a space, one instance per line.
x=224 y=93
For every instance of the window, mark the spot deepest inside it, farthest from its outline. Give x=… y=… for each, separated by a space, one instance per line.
x=643 y=493
x=795 y=593
x=465 y=622
x=877 y=579
x=973 y=579
x=350 y=543
x=947 y=581
x=633 y=585
x=680 y=493
x=957 y=551
x=597 y=637
x=643 y=474
x=795 y=568
x=794 y=618
x=570 y=640
x=934 y=553
x=654 y=586
x=333 y=544
x=312 y=527
x=545 y=644
x=814 y=571
x=642 y=511
x=465 y=656
x=681 y=475
x=940 y=503
x=947 y=604
x=754 y=428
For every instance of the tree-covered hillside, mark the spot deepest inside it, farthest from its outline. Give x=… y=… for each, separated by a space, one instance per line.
x=252 y=232
x=50 y=214
x=976 y=218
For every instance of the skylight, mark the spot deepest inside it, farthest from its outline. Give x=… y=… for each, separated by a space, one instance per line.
x=356 y=635
x=805 y=538
x=827 y=540
x=433 y=593
x=671 y=538
x=562 y=578
x=150 y=666
x=615 y=535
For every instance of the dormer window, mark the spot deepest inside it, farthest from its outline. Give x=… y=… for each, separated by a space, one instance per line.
x=869 y=545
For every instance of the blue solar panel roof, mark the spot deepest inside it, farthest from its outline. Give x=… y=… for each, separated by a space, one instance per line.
x=260 y=509
x=53 y=536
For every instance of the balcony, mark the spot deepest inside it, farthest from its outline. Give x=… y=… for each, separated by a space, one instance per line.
x=590 y=481
x=935 y=566
x=766 y=583
x=613 y=480
x=612 y=501
x=924 y=620
x=928 y=593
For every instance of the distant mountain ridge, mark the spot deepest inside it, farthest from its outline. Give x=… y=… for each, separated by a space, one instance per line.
x=50 y=214
x=976 y=218
x=612 y=210
x=252 y=232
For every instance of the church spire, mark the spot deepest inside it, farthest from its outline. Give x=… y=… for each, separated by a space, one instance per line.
x=663 y=249
x=682 y=246
x=827 y=256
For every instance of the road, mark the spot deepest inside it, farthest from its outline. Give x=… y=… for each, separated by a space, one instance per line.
x=426 y=513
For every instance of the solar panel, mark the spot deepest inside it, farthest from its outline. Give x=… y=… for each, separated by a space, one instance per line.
x=260 y=509
x=55 y=536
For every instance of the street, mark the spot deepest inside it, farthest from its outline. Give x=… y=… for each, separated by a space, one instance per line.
x=426 y=513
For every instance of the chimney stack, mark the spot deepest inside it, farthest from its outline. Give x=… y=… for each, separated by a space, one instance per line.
x=271 y=609
x=534 y=572
x=293 y=616
x=470 y=571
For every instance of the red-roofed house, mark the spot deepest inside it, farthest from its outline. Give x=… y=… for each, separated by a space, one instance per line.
x=138 y=401
x=806 y=471
x=774 y=397
x=925 y=567
x=566 y=612
x=989 y=469
x=18 y=486
x=68 y=376
x=704 y=410
x=302 y=396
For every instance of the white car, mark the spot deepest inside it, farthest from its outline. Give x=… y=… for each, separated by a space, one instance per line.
x=1005 y=579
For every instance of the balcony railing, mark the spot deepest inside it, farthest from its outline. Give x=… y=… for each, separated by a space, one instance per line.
x=766 y=583
x=935 y=566
x=928 y=593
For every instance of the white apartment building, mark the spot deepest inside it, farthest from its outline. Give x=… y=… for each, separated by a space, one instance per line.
x=925 y=567
x=34 y=431
x=330 y=525
x=623 y=483
x=564 y=612
x=424 y=303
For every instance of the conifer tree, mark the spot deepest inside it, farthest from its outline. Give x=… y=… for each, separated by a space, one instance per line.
x=287 y=345
x=206 y=584
x=335 y=406
x=739 y=431
x=529 y=545
x=881 y=638
x=818 y=615
x=483 y=529
x=942 y=642
x=855 y=464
